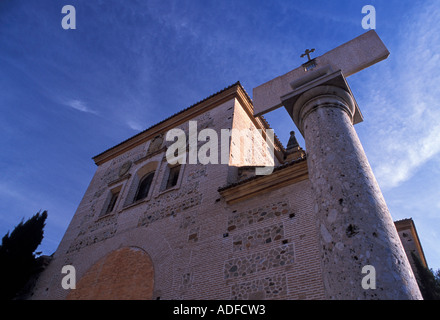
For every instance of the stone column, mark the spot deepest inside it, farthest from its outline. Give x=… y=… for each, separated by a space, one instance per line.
x=353 y=221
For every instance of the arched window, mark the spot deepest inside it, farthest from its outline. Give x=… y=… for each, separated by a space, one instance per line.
x=144 y=186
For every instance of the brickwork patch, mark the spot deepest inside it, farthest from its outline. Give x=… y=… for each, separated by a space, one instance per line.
x=248 y=217
x=171 y=204
x=266 y=288
x=97 y=231
x=256 y=262
x=123 y=274
x=171 y=209
x=254 y=238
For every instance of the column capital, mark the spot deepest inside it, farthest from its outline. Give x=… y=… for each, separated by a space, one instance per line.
x=324 y=83
x=325 y=96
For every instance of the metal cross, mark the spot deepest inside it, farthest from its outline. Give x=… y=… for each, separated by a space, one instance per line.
x=307 y=53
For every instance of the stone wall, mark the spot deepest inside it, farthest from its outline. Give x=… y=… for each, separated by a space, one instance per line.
x=200 y=246
x=266 y=288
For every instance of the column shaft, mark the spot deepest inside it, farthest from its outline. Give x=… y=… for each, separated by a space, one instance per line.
x=353 y=221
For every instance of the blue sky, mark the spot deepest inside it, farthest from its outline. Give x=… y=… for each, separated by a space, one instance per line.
x=68 y=95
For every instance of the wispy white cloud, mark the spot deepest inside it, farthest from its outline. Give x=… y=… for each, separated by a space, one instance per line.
x=80 y=106
x=407 y=105
x=135 y=125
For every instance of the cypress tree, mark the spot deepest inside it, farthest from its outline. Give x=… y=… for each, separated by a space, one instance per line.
x=17 y=258
x=428 y=280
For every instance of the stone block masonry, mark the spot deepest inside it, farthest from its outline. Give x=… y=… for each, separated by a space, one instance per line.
x=266 y=288
x=258 y=237
x=261 y=261
x=249 y=217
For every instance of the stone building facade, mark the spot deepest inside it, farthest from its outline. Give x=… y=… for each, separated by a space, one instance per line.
x=411 y=243
x=146 y=229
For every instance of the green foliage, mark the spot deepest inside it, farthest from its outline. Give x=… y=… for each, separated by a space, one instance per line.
x=17 y=258
x=428 y=281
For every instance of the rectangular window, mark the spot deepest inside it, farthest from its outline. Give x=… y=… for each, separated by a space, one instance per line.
x=112 y=202
x=173 y=176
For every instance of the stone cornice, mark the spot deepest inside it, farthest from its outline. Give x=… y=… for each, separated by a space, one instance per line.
x=282 y=176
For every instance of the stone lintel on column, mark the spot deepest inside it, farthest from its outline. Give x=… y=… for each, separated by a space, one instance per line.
x=324 y=76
